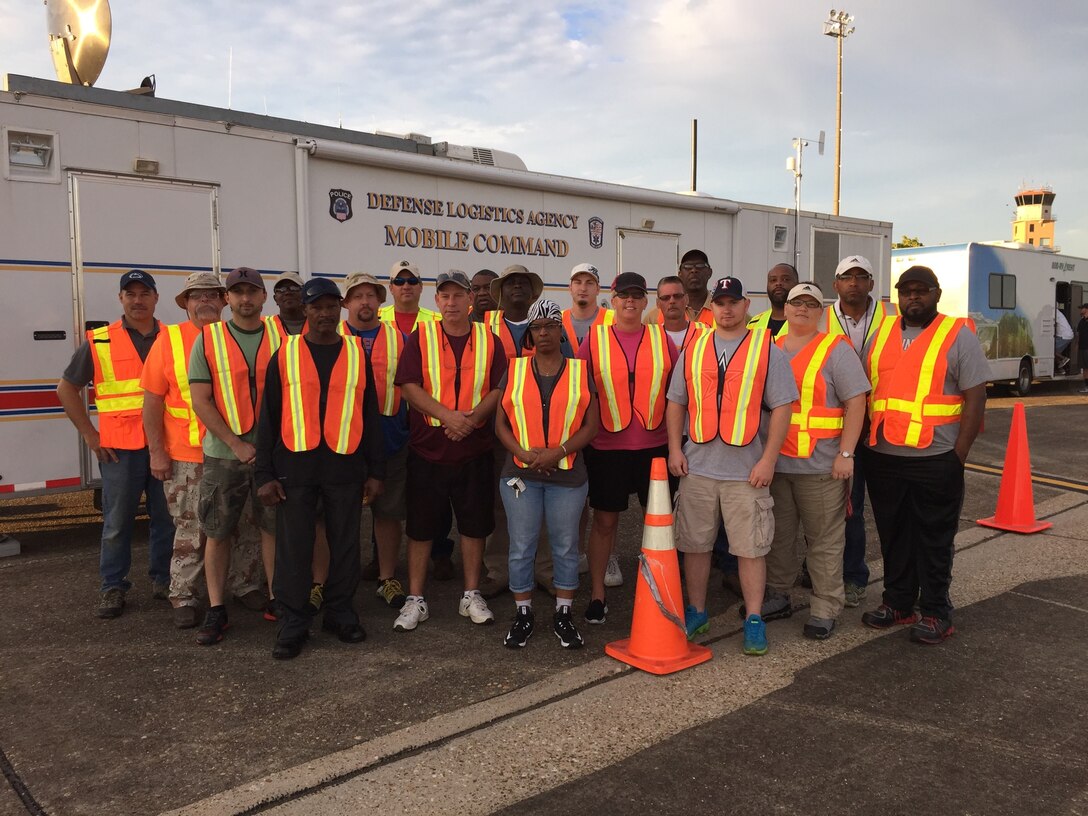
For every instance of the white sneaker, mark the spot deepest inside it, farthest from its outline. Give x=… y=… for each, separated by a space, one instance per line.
x=413 y=613
x=474 y=607
x=612 y=575
x=583 y=564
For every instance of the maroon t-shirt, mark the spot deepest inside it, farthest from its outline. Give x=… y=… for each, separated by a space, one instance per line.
x=432 y=443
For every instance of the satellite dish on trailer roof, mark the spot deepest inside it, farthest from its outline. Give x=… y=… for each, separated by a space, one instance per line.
x=79 y=37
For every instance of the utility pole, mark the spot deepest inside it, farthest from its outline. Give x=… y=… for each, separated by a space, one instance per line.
x=838 y=25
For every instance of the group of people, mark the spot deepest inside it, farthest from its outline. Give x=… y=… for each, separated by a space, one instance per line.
x=256 y=440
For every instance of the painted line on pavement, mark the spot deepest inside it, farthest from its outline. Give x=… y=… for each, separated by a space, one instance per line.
x=1064 y=484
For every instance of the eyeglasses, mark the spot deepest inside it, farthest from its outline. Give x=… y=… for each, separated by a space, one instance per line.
x=695 y=267
x=288 y=288
x=863 y=276
x=205 y=294
x=629 y=295
x=404 y=281
x=798 y=303
x=667 y=298
x=917 y=291
x=550 y=326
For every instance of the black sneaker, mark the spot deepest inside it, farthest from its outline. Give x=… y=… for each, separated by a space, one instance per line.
x=566 y=631
x=215 y=624
x=884 y=617
x=931 y=630
x=596 y=612
x=521 y=629
x=111 y=604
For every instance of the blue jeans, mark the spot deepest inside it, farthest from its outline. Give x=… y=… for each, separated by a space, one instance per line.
x=854 y=569
x=560 y=508
x=123 y=482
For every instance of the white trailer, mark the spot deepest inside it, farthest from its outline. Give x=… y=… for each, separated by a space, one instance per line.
x=1011 y=293
x=96 y=182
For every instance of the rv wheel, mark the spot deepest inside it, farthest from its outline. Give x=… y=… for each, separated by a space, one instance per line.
x=1022 y=386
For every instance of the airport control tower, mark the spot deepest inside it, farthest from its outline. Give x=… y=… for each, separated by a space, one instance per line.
x=1034 y=224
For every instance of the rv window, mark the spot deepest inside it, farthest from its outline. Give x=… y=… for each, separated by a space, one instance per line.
x=781 y=238
x=825 y=257
x=1002 y=291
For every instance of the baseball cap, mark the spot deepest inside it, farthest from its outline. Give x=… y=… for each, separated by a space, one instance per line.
x=810 y=289
x=358 y=278
x=587 y=269
x=694 y=255
x=629 y=280
x=244 y=274
x=404 y=266
x=917 y=274
x=316 y=288
x=197 y=280
x=455 y=276
x=728 y=287
x=287 y=277
x=138 y=276
x=853 y=262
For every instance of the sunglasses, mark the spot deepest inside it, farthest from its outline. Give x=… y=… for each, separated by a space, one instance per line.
x=405 y=281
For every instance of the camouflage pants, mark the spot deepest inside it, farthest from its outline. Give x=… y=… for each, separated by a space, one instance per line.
x=187 y=562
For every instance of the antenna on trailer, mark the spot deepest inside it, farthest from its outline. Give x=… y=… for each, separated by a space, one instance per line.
x=79 y=38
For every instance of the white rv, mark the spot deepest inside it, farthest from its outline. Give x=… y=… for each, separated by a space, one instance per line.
x=1011 y=293
x=95 y=182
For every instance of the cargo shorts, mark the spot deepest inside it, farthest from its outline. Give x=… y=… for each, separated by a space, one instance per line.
x=703 y=503
x=225 y=487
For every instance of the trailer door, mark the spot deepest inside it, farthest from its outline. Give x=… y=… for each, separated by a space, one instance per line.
x=167 y=228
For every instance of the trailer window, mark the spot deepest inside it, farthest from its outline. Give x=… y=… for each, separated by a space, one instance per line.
x=1002 y=291
x=781 y=238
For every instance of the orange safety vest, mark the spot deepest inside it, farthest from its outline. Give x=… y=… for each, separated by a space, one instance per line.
x=625 y=394
x=605 y=317
x=384 y=357
x=179 y=340
x=880 y=311
x=387 y=314
x=908 y=398
x=811 y=418
x=300 y=414
x=523 y=404
x=495 y=322
x=278 y=331
x=118 y=397
x=458 y=388
x=733 y=414
x=231 y=376
x=694 y=330
x=763 y=321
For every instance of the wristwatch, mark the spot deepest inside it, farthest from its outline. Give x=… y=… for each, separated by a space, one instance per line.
x=846 y=454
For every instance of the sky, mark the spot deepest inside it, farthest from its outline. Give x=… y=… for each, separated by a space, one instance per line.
x=948 y=108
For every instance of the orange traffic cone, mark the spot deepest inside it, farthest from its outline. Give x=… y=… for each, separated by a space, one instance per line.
x=659 y=642
x=1015 y=505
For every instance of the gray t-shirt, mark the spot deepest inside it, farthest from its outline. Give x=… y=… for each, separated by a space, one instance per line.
x=249 y=342
x=715 y=459
x=581 y=327
x=844 y=378
x=967 y=367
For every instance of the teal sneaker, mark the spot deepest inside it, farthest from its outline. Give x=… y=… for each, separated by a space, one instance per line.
x=697 y=623
x=755 y=636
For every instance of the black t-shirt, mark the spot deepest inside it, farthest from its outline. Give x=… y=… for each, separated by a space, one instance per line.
x=1082 y=334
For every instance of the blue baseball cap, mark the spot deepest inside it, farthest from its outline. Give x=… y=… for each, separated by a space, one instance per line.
x=316 y=288
x=138 y=276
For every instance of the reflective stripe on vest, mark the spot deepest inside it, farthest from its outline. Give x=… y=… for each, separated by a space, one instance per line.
x=300 y=422
x=733 y=416
x=763 y=321
x=118 y=397
x=497 y=324
x=625 y=394
x=179 y=356
x=604 y=317
x=881 y=310
x=385 y=354
x=231 y=376
x=277 y=331
x=522 y=403
x=386 y=314
x=694 y=330
x=908 y=399
x=441 y=373
x=810 y=416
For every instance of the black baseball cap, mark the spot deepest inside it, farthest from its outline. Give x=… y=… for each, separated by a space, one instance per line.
x=138 y=276
x=695 y=255
x=918 y=274
x=315 y=288
x=244 y=274
x=728 y=287
x=629 y=280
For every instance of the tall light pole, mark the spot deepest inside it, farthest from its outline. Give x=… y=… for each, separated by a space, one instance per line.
x=838 y=25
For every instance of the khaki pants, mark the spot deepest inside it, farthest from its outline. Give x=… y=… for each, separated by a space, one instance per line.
x=817 y=502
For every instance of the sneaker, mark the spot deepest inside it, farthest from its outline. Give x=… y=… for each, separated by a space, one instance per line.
x=215 y=624
x=443 y=568
x=884 y=617
x=317 y=598
x=111 y=604
x=412 y=613
x=931 y=630
x=612 y=575
x=776 y=605
x=755 y=636
x=272 y=611
x=254 y=600
x=818 y=628
x=390 y=591
x=855 y=594
x=474 y=607
x=186 y=617
x=697 y=622
x=520 y=630
x=566 y=631
x=583 y=560
x=160 y=592
x=596 y=611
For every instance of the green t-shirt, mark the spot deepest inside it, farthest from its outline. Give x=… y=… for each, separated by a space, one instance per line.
x=249 y=342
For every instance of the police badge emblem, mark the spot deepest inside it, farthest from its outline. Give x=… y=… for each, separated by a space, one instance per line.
x=340 y=204
x=596 y=232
